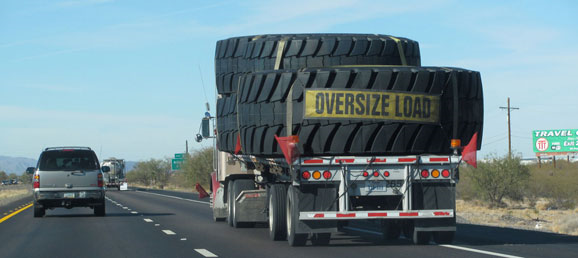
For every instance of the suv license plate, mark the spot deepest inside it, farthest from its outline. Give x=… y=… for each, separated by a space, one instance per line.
x=377 y=186
x=68 y=195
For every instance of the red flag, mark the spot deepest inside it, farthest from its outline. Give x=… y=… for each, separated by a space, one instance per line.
x=238 y=145
x=469 y=152
x=288 y=145
x=201 y=191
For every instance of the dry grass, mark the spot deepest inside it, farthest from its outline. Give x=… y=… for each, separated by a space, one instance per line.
x=520 y=215
x=9 y=194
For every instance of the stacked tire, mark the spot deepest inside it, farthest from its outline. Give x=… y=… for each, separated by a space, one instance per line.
x=255 y=88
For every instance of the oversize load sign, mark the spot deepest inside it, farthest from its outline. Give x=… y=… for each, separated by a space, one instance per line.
x=366 y=104
x=554 y=141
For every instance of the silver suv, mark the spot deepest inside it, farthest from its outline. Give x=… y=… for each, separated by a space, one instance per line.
x=68 y=177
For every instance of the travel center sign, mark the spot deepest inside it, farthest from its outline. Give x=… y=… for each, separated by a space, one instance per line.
x=548 y=142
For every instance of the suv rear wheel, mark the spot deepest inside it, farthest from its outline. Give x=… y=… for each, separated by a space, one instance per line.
x=99 y=210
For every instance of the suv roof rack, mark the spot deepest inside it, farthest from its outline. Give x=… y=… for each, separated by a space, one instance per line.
x=67 y=148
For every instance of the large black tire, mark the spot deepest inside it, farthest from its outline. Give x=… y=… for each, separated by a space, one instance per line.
x=277 y=212
x=39 y=210
x=262 y=104
x=240 y=185
x=292 y=211
x=237 y=56
x=100 y=210
x=443 y=237
x=227 y=128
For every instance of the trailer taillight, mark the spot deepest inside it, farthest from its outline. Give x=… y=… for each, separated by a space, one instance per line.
x=316 y=174
x=435 y=173
x=445 y=173
x=365 y=174
x=100 y=182
x=376 y=173
x=326 y=174
x=36 y=181
x=386 y=174
x=306 y=174
x=424 y=173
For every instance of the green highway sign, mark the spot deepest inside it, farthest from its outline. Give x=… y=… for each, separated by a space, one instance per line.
x=551 y=142
x=176 y=164
x=179 y=155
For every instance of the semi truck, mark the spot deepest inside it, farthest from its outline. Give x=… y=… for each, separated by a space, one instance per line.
x=116 y=176
x=316 y=131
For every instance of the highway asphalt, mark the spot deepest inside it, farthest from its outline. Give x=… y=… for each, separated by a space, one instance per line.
x=147 y=223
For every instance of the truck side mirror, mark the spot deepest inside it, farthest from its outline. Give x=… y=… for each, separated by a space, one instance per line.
x=105 y=169
x=205 y=127
x=30 y=170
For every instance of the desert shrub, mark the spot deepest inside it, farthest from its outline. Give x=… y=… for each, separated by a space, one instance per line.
x=558 y=184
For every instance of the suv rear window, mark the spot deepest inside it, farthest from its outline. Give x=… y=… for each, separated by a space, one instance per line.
x=68 y=160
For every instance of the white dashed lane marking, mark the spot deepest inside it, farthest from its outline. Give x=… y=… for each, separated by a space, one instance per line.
x=169 y=232
x=133 y=212
x=148 y=220
x=205 y=253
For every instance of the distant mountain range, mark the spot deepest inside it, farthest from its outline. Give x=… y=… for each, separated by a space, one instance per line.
x=18 y=165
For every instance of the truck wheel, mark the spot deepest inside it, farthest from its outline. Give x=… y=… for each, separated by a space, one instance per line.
x=239 y=186
x=292 y=211
x=99 y=210
x=230 y=201
x=39 y=210
x=320 y=238
x=390 y=229
x=421 y=237
x=443 y=237
x=277 y=212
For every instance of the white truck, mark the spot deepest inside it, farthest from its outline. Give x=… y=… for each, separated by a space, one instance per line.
x=313 y=131
x=117 y=175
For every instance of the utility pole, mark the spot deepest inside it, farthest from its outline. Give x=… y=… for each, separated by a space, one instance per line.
x=187 y=146
x=509 y=128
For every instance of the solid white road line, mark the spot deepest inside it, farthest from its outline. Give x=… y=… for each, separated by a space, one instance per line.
x=480 y=251
x=448 y=246
x=148 y=220
x=174 y=197
x=206 y=253
x=169 y=232
x=133 y=212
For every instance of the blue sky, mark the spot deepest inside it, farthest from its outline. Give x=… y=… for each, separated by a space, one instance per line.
x=126 y=77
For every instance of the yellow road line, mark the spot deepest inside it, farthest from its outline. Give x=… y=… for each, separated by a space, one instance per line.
x=15 y=212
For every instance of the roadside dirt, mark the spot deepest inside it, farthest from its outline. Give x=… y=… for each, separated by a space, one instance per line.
x=556 y=221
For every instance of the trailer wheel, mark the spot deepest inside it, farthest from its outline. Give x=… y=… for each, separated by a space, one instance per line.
x=443 y=237
x=230 y=201
x=277 y=212
x=293 y=238
x=320 y=239
x=240 y=185
x=390 y=229
x=421 y=237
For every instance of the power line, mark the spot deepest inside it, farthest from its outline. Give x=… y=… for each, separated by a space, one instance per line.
x=509 y=127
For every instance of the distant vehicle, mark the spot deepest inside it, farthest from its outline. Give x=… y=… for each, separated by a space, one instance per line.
x=68 y=177
x=6 y=182
x=116 y=176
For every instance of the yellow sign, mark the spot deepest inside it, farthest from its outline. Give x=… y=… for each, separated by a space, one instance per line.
x=367 y=104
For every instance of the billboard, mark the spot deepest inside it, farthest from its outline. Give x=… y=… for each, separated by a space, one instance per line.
x=555 y=142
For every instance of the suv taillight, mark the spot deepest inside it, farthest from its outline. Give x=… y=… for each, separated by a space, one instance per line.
x=100 y=183
x=36 y=181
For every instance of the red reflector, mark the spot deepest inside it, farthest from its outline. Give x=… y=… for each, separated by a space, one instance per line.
x=36 y=184
x=408 y=214
x=345 y=215
x=306 y=175
x=386 y=173
x=377 y=214
x=441 y=213
x=313 y=161
x=376 y=173
x=406 y=159
x=439 y=160
x=319 y=215
x=365 y=174
x=100 y=183
x=379 y=160
x=326 y=174
x=446 y=173
x=344 y=160
x=424 y=173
